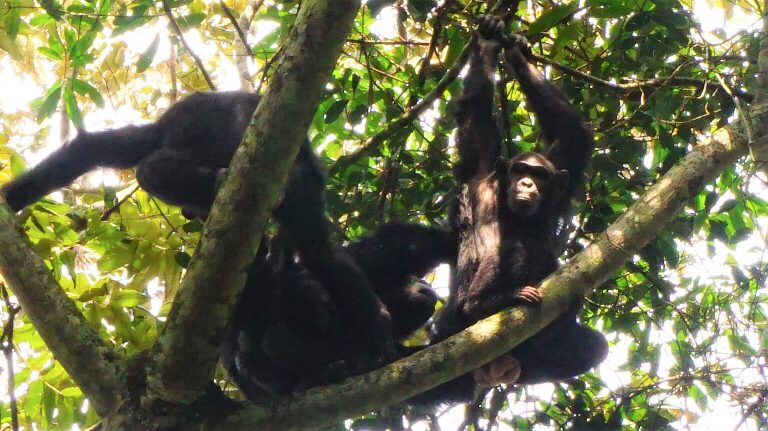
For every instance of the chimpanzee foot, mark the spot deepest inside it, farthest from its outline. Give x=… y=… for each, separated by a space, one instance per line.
x=503 y=370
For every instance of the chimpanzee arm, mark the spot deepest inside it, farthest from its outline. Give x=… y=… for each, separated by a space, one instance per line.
x=478 y=139
x=119 y=148
x=569 y=138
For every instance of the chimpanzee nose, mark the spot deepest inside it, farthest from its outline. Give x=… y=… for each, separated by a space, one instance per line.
x=526 y=183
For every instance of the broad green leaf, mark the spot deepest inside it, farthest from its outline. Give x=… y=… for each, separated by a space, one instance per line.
x=128 y=298
x=145 y=60
x=552 y=17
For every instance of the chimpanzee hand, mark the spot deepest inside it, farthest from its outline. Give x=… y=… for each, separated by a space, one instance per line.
x=492 y=27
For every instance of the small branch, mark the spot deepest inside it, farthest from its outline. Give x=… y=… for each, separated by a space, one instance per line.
x=437 y=29
x=110 y=211
x=240 y=32
x=404 y=120
x=188 y=349
x=635 y=87
x=7 y=346
x=388 y=42
x=73 y=342
x=752 y=408
x=180 y=35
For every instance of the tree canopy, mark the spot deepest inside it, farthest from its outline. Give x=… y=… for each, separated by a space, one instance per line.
x=105 y=275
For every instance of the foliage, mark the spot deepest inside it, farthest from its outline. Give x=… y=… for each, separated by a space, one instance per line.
x=686 y=316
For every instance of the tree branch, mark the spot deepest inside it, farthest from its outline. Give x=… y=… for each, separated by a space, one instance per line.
x=180 y=35
x=189 y=347
x=635 y=86
x=404 y=120
x=497 y=334
x=238 y=29
x=74 y=343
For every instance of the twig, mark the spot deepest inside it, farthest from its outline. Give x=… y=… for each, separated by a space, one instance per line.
x=177 y=30
x=640 y=86
x=7 y=345
x=437 y=29
x=111 y=210
x=388 y=42
x=752 y=408
x=405 y=119
x=233 y=19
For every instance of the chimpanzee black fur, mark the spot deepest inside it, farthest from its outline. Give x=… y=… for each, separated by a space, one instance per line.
x=302 y=342
x=508 y=215
x=179 y=158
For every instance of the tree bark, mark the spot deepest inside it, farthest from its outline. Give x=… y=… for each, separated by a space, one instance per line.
x=73 y=342
x=189 y=347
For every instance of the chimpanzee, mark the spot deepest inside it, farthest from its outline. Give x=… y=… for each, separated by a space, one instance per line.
x=180 y=159
x=301 y=342
x=509 y=213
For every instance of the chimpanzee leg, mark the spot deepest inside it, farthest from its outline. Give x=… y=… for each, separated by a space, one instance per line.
x=303 y=221
x=179 y=179
x=562 y=350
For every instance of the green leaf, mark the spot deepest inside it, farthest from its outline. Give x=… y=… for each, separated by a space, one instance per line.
x=12 y=18
x=128 y=298
x=84 y=88
x=332 y=113
x=145 y=60
x=53 y=8
x=50 y=53
x=552 y=17
x=50 y=102
x=183 y=259
x=70 y=105
x=10 y=46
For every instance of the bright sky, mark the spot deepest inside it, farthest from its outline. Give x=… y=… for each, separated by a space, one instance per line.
x=19 y=91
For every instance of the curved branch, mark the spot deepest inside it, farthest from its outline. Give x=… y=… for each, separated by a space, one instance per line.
x=73 y=342
x=497 y=334
x=189 y=347
x=634 y=86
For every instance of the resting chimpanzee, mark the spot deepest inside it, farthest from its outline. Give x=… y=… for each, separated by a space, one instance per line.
x=508 y=216
x=180 y=157
x=301 y=342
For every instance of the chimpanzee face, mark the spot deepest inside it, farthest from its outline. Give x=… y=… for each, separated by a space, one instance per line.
x=533 y=184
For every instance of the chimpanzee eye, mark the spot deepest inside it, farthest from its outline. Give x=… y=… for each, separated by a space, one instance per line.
x=538 y=172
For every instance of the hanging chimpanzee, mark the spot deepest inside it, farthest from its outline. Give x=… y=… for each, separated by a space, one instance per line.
x=180 y=159
x=508 y=216
x=301 y=341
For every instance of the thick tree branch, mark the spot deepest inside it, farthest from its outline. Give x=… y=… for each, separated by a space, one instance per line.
x=189 y=347
x=74 y=343
x=497 y=334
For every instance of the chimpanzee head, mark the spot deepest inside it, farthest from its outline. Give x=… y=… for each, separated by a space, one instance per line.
x=532 y=184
